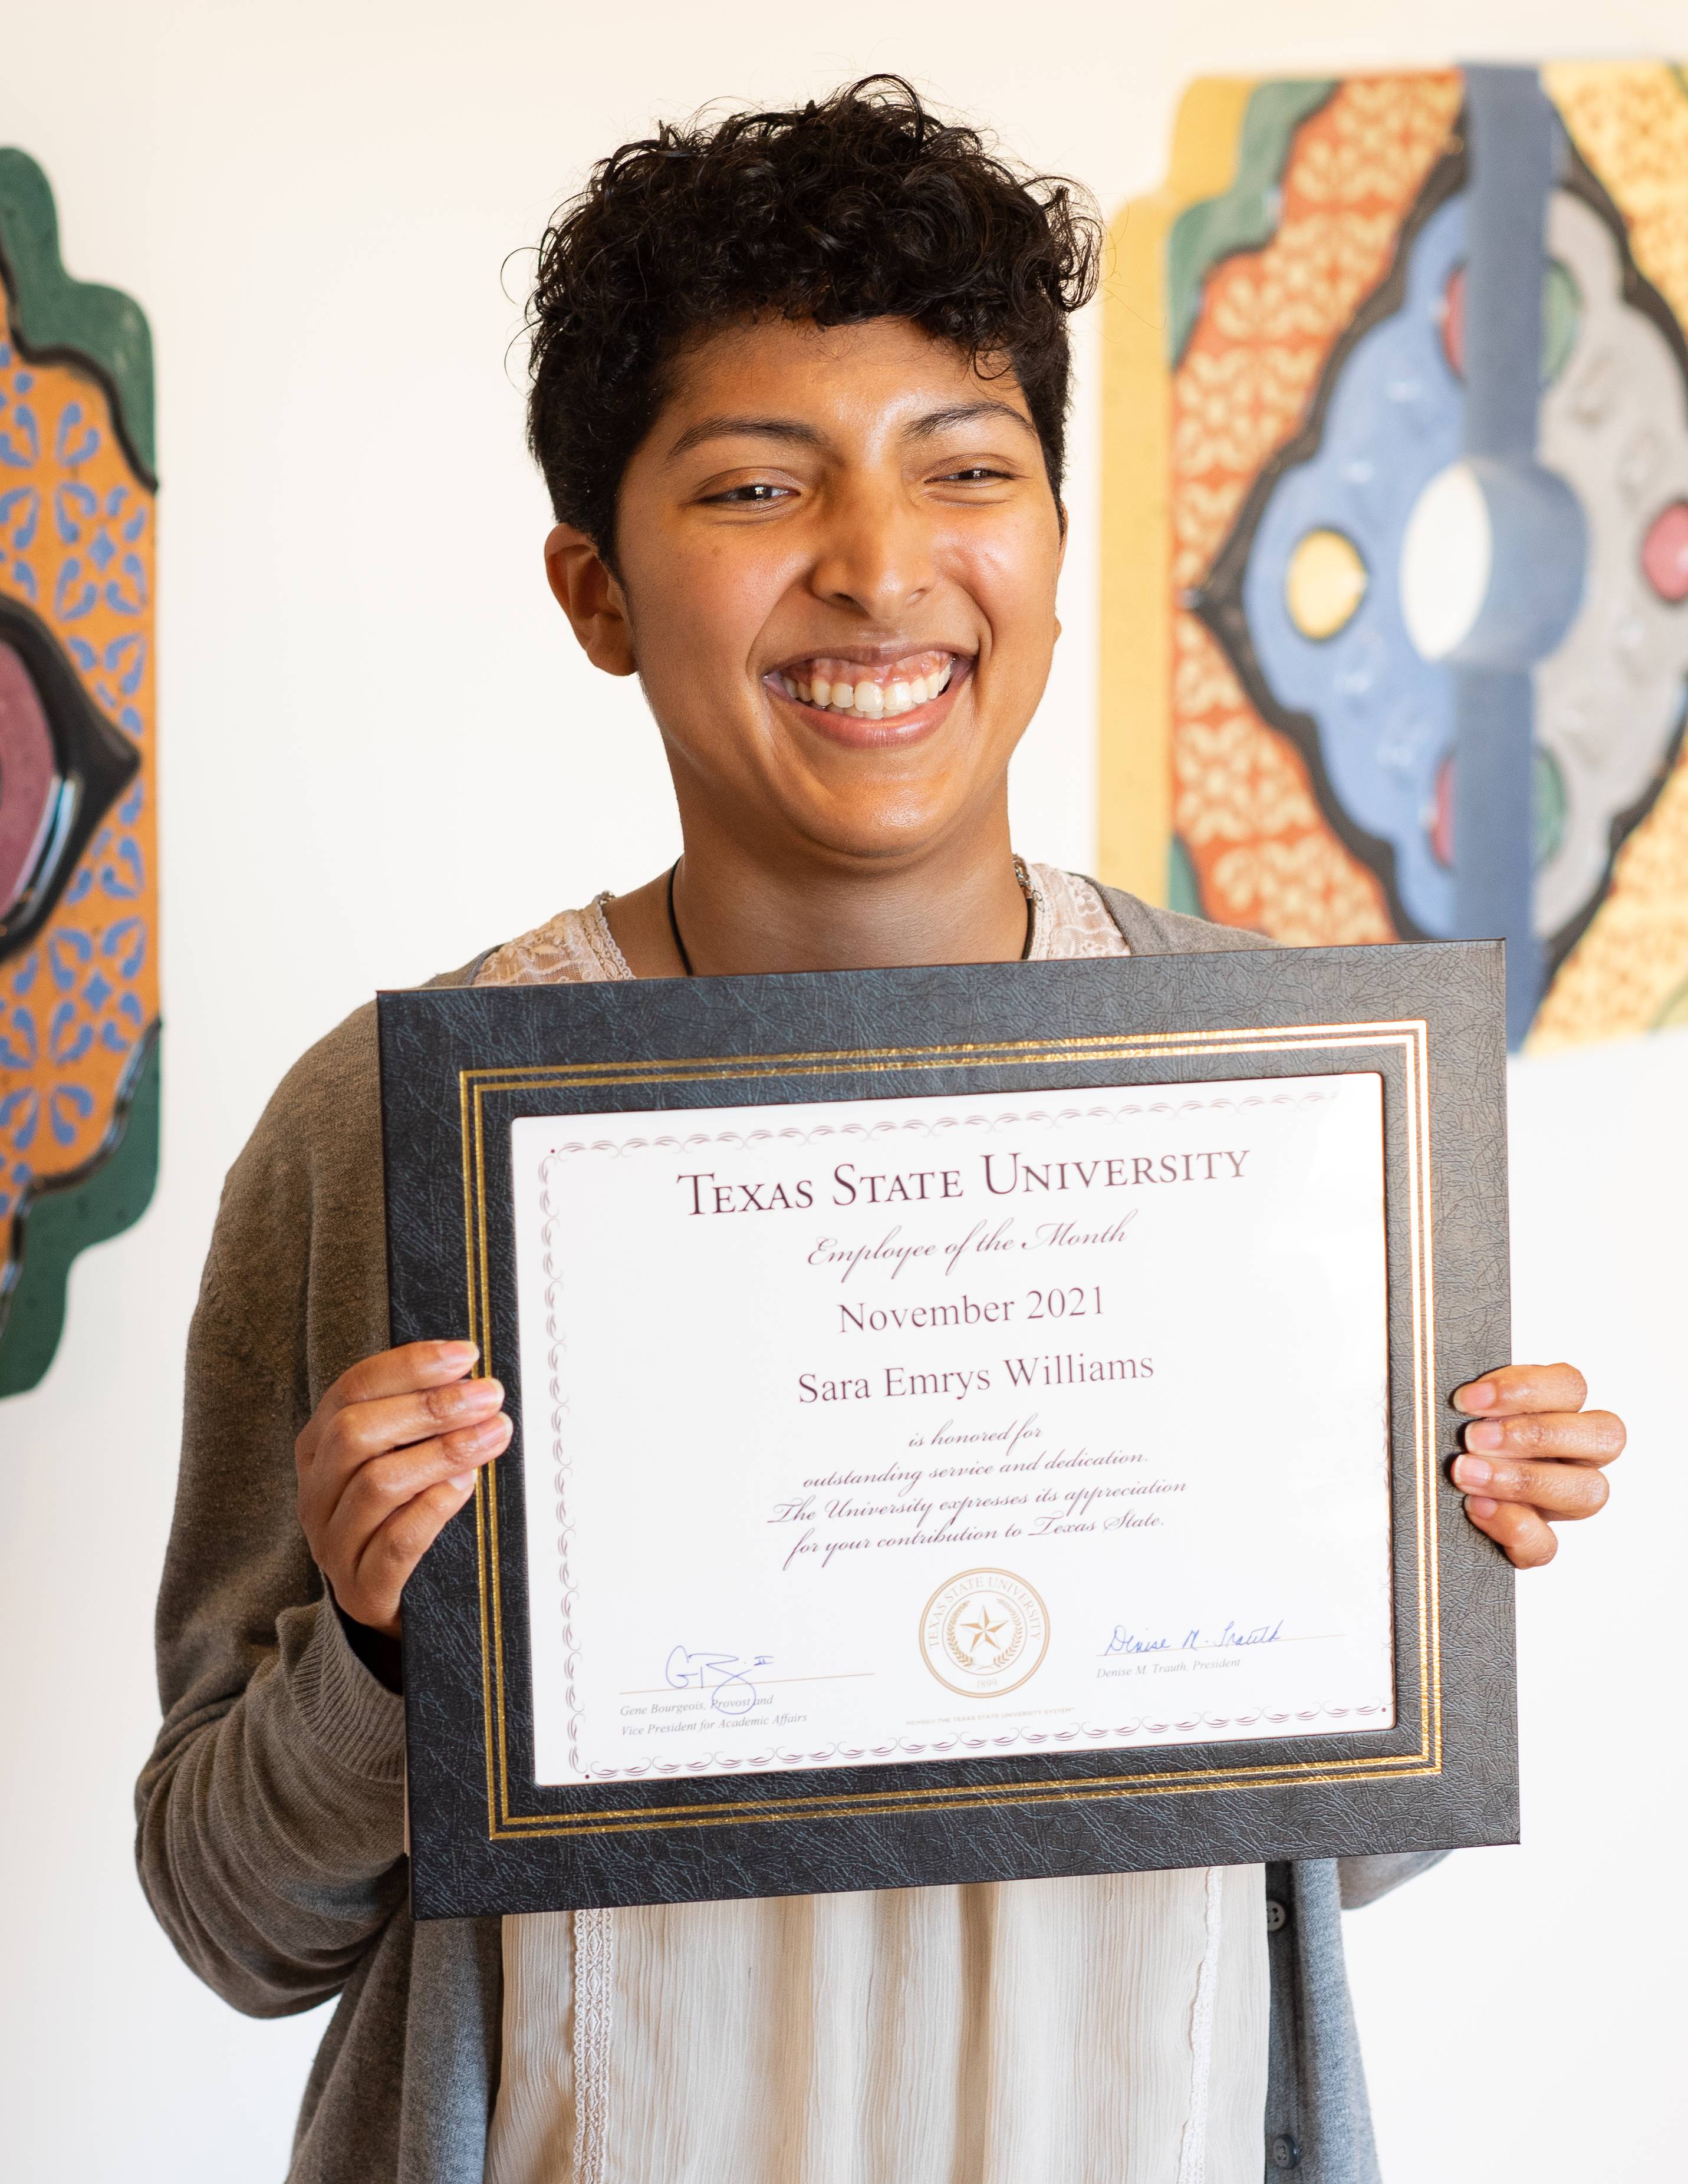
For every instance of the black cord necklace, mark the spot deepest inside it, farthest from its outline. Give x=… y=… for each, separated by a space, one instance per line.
x=674 y=922
x=1020 y=874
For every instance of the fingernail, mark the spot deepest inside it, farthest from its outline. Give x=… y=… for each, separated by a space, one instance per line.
x=1472 y=1471
x=1490 y=1435
x=489 y=1435
x=1479 y=1396
x=477 y=1395
x=459 y=1353
x=461 y=1480
x=1479 y=1505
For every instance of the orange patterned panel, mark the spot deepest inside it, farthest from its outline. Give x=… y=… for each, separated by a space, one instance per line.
x=1243 y=801
x=76 y=544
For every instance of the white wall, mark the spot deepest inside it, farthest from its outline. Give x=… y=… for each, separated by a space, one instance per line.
x=382 y=752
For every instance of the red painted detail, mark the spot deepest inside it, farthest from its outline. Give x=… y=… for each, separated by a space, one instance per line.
x=1441 y=815
x=1664 y=553
x=1452 y=312
x=29 y=777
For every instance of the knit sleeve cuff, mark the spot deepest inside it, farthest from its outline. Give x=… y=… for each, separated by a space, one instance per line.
x=351 y=1716
x=1363 y=1879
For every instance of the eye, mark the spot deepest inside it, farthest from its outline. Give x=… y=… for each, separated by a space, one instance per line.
x=974 y=474
x=760 y=495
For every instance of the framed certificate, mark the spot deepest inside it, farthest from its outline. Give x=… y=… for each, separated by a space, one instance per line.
x=971 y=1424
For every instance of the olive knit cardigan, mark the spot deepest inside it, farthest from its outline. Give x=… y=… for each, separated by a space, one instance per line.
x=272 y=1812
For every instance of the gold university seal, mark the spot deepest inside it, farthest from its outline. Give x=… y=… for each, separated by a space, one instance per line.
x=983 y=1633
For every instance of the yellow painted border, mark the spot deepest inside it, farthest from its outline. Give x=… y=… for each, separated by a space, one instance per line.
x=1410 y=1036
x=1135 y=814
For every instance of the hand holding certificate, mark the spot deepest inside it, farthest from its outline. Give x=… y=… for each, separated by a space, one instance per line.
x=946 y=1460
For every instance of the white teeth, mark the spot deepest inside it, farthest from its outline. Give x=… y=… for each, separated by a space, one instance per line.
x=871 y=701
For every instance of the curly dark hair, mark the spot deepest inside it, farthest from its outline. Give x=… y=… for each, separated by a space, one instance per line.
x=861 y=206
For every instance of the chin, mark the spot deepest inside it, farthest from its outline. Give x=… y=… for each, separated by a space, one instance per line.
x=896 y=827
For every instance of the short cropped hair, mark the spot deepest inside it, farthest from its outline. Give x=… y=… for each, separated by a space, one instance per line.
x=863 y=205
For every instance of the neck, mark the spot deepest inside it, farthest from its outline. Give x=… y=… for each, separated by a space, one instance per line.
x=738 y=912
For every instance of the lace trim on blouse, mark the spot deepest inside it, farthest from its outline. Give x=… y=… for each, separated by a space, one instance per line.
x=1070 y=920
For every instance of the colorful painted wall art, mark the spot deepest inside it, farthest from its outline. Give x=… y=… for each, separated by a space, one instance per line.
x=79 y=1010
x=1395 y=632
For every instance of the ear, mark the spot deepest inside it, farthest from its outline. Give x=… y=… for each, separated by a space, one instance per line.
x=591 y=597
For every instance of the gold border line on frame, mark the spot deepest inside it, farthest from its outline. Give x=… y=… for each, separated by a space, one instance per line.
x=1409 y=1036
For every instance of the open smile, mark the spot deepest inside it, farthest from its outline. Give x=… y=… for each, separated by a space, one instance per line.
x=873 y=701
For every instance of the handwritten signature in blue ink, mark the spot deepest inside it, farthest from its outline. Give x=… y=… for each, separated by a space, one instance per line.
x=1232 y=1636
x=725 y=1676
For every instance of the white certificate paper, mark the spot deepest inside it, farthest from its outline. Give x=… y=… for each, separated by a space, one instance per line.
x=866 y=1431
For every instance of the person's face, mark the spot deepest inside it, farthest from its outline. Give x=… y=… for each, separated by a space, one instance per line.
x=836 y=553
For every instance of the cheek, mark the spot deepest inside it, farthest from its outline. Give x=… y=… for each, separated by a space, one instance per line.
x=699 y=606
x=1012 y=578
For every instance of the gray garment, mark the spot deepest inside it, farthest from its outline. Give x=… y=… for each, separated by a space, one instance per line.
x=270 y=1815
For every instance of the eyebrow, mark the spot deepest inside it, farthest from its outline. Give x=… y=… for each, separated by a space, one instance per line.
x=795 y=433
x=791 y=430
x=968 y=413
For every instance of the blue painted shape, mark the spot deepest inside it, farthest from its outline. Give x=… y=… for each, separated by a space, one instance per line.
x=1385 y=717
x=1514 y=138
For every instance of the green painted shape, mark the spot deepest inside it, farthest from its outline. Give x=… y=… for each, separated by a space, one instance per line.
x=1247 y=215
x=1561 y=318
x=1182 y=890
x=1551 y=805
x=1673 y=1016
x=111 y=1196
x=102 y=327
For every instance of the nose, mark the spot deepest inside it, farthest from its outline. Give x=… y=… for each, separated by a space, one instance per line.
x=875 y=555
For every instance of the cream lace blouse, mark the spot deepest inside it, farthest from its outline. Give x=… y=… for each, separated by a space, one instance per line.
x=1075 y=2031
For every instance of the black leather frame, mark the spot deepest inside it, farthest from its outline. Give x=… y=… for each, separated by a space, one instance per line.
x=458 y=1065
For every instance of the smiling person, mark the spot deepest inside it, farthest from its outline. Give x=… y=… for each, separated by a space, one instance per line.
x=799 y=383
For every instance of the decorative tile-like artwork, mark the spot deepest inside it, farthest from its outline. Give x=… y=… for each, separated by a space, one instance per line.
x=79 y=1002
x=1396 y=631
